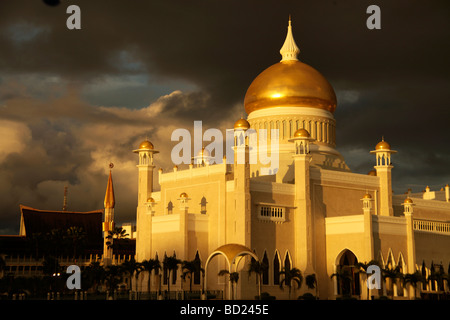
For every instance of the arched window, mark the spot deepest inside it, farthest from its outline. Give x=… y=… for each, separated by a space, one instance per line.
x=203 y=206
x=170 y=207
x=287 y=262
x=265 y=275
x=276 y=269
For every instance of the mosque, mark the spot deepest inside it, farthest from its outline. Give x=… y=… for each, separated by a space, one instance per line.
x=313 y=213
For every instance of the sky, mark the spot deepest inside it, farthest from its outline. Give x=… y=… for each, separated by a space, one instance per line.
x=72 y=101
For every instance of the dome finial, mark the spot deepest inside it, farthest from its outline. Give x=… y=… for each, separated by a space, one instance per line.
x=289 y=51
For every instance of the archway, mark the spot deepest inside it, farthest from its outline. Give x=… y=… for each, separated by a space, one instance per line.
x=347 y=274
x=233 y=254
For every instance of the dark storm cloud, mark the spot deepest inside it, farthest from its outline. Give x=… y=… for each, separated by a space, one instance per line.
x=392 y=82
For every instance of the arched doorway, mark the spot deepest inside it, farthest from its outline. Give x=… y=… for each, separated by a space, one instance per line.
x=233 y=254
x=347 y=275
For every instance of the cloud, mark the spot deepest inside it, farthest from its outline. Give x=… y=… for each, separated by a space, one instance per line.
x=73 y=101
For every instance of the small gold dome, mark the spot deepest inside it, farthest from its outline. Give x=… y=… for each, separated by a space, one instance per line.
x=372 y=172
x=408 y=200
x=301 y=133
x=367 y=196
x=183 y=195
x=383 y=145
x=241 y=124
x=290 y=83
x=150 y=200
x=146 y=145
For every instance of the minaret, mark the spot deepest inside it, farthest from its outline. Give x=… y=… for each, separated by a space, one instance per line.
x=289 y=50
x=410 y=241
x=303 y=223
x=368 y=226
x=384 y=167
x=108 y=224
x=242 y=227
x=146 y=203
x=145 y=166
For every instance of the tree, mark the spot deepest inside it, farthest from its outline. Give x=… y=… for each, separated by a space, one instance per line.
x=311 y=282
x=343 y=275
x=77 y=237
x=413 y=279
x=149 y=266
x=130 y=267
x=233 y=278
x=393 y=274
x=93 y=275
x=293 y=275
x=113 y=276
x=189 y=268
x=170 y=264
x=362 y=268
x=258 y=268
x=116 y=233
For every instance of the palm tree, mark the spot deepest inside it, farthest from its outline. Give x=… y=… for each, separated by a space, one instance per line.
x=393 y=274
x=311 y=282
x=290 y=276
x=342 y=275
x=77 y=237
x=116 y=233
x=259 y=268
x=113 y=276
x=190 y=267
x=130 y=267
x=413 y=279
x=170 y=264
x=149 y=266
x=362 y=268
x=233 y=278
x=94 y=274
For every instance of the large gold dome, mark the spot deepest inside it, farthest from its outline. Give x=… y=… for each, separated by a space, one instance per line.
x=290 y=83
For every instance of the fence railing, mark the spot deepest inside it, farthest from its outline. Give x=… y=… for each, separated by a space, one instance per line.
x=431 y=226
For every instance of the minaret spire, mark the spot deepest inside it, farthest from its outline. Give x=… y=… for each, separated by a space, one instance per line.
x=109 y=196
x=289 y=51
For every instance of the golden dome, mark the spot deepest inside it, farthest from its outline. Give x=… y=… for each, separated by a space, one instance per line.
x=150 y=200
x=301 y=133
x=383 y=145
x=146 y=145
x=367 y=196
x=408 y=200
x=372 y=172
x=290 y=83
x=183 y=195
x=241 y=124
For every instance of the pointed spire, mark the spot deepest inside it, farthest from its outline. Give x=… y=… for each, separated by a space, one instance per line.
x=109 y=196
x=289 y=51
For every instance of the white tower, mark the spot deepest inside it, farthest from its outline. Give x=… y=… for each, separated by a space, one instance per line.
x=304 y=228
x=146 y=152
x=384 y=167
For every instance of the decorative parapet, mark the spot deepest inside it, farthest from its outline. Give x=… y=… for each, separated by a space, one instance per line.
x=431 y=226
x=192 y=172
